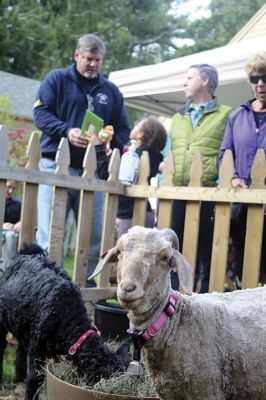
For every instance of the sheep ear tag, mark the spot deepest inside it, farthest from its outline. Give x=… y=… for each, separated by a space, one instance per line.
x=136 y=368
x=103 y=261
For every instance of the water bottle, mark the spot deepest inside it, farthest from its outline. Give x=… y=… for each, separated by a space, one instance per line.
x=129 y=165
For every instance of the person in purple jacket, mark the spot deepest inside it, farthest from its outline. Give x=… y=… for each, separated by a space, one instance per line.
x=245 y=133
x=62 y=99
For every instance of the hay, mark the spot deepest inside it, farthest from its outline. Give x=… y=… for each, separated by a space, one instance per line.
x=120 y=383
x=127 y=385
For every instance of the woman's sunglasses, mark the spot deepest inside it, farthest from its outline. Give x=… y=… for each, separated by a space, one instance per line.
x=255 y=78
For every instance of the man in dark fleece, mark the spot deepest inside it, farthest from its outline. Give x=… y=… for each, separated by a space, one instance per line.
x=61 y=102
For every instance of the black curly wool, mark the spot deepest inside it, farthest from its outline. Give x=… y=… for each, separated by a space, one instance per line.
x=44 y=310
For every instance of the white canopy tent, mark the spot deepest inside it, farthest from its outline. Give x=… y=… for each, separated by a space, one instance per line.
x=158 y=89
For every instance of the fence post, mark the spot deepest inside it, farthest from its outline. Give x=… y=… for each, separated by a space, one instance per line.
x=192 y=216
x=165 y=206
x=110 y=212
x=58 y=214
x=29 y=197
x=140 y=204
x=221 y=228
x=3 y=161
x=84 y=220
x=255 y=221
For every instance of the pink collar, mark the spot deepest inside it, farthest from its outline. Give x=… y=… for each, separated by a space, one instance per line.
x=153 y=329
x=81 y=339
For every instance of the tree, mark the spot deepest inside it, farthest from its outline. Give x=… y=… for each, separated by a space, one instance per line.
x=227 y=18
x=38 y=35
x=24 y=37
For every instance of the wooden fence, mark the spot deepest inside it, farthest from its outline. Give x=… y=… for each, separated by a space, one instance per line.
x=223 y=195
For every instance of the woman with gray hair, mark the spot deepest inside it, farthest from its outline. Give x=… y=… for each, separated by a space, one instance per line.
x=245 y=133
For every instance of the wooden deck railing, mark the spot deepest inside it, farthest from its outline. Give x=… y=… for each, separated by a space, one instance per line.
x=223 y=195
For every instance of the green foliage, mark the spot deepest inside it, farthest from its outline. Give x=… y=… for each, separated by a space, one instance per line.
x=227 y=18
x=18 y=144
x=24 y=37
x=39 y=35
x=18 y=137
x=5 y=112
x=36 y=36
x=68 y=265
x=9 y=362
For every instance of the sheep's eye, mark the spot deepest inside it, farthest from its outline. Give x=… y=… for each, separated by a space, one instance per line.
x=164 y=259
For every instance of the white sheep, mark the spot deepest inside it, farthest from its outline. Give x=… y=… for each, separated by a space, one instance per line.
x=213 y=347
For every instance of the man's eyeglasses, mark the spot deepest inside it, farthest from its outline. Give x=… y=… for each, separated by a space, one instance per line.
x=255 y=78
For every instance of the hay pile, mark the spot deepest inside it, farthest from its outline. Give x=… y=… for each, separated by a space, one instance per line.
x=127 y=385
x=120 y=383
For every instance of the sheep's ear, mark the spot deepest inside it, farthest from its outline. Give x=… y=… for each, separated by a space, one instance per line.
x=184 y=271
x=109 y=256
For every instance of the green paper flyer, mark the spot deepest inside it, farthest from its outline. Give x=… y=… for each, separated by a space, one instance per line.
x=91 y=119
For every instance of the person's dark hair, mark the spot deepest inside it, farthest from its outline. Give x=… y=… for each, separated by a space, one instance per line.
x=209 y=72
x=154 y=135
x=91 y=43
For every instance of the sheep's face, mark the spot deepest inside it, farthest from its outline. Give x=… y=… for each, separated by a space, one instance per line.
x=141 y=269
x=144 y=262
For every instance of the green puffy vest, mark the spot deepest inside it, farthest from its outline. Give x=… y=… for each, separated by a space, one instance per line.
x=206 y=137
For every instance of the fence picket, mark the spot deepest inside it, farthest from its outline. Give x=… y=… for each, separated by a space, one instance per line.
x=3 y=161
x=140 y=204
x=192 y=217
x=254 y=230
x=194 y=194
x=109 y=215
x=58 y=214
x=221 y=228
x=29 y=197
x=84 y=220
x=165 y=205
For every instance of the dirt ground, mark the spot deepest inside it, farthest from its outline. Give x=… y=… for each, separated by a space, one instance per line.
x=12 y=392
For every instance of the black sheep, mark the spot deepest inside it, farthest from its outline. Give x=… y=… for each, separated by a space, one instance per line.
x=44 y=310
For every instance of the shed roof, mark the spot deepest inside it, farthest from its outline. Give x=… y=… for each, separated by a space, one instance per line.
x=255 y=27
x=22 y=92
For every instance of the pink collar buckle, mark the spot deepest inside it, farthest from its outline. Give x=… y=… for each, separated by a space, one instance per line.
x=139 y=337
x=167 y=312
x=153 y=329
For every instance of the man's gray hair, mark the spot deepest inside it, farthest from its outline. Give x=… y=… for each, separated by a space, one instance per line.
x=91 y=43
x=207 y=71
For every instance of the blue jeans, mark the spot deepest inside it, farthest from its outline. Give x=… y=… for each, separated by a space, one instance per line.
x=9 y=248
x=44 y=204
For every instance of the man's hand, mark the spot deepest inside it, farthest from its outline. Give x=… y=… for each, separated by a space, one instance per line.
x=75 y=138
x=92 y=138
x=238 y=183
x=7 y=226
x=17 y=227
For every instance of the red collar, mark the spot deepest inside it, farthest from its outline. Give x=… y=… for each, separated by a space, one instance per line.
x=154 y=328
x=81 y=339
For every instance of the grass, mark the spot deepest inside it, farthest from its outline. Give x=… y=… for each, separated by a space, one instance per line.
x=8 y=365
x=68 y=265
x=7 y=387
